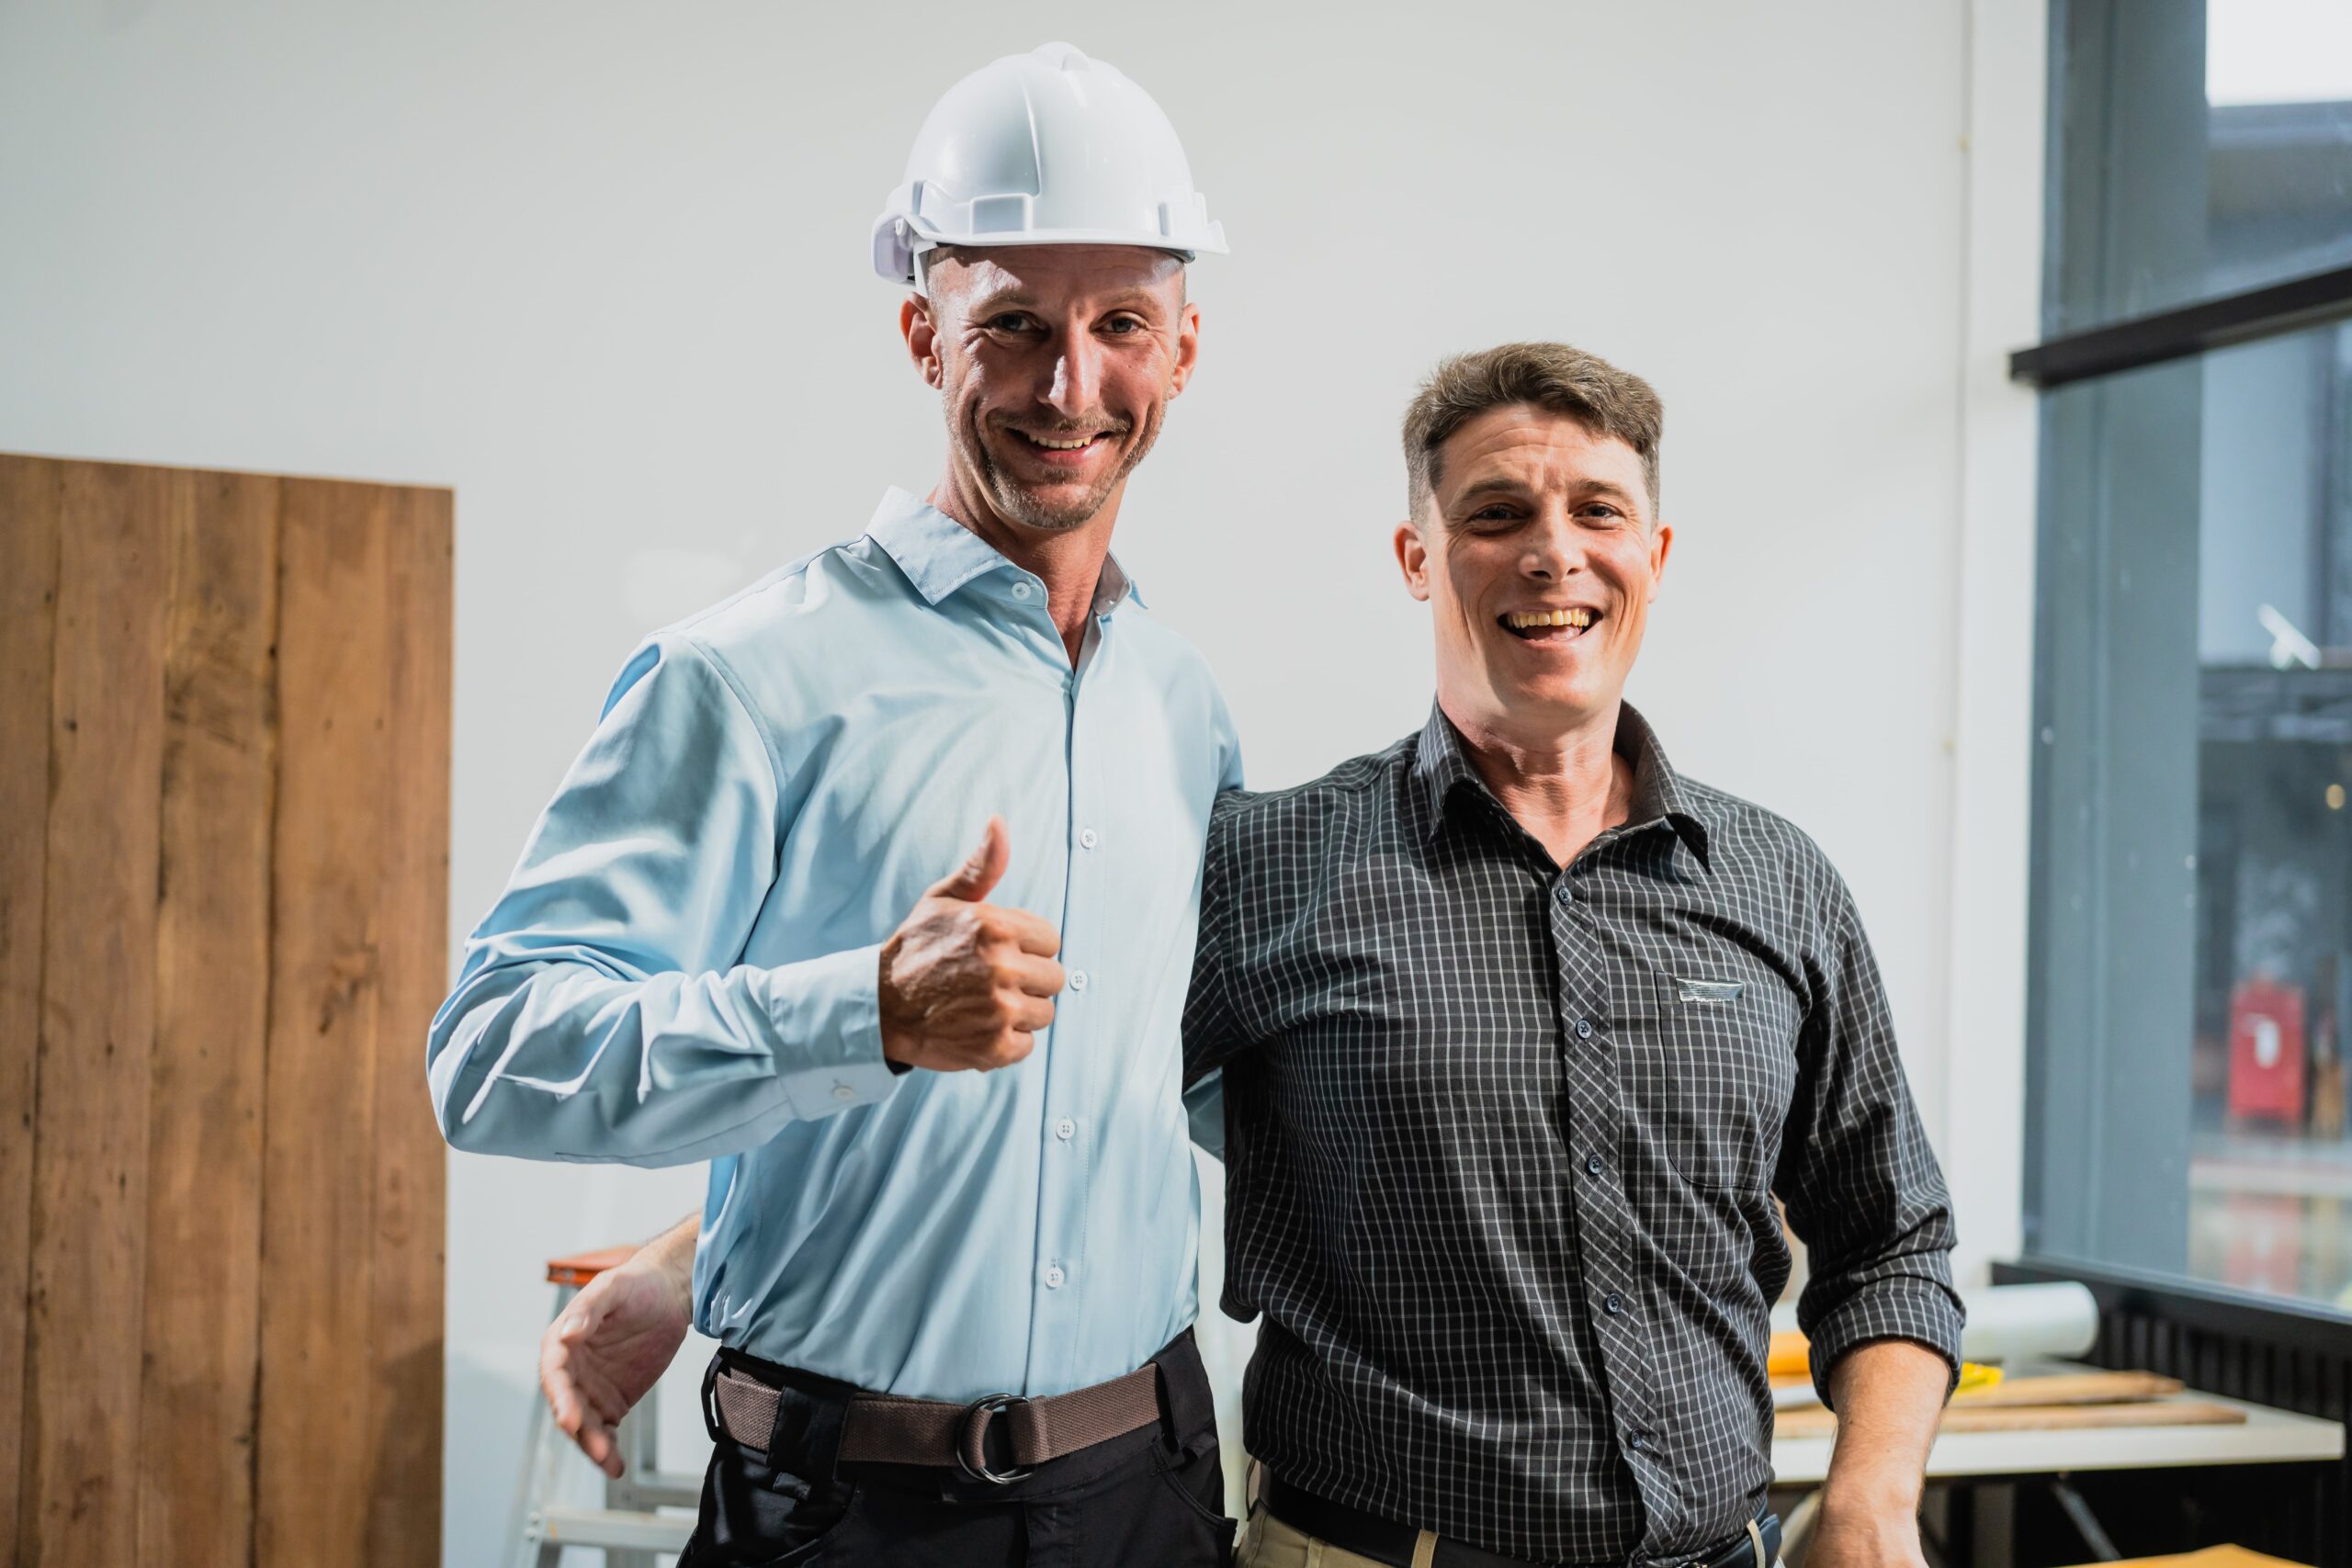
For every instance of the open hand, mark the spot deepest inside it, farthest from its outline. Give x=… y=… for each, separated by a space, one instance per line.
x=609 y=1345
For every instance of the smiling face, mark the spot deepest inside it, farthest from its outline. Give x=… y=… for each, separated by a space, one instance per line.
x=1054 y=364
x=1538 y=558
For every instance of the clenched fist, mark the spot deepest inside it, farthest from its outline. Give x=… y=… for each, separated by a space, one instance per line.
x=966 y=984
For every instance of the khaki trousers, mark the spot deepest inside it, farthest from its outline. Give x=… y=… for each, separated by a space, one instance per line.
x=1267 y=1542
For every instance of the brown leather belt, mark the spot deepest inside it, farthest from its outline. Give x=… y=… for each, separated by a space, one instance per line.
x=885 y=1429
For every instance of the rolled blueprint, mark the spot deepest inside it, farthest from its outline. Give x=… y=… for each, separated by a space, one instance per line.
x=2019 y=1322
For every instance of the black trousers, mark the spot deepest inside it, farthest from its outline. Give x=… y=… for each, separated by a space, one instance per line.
x=1154 y=1499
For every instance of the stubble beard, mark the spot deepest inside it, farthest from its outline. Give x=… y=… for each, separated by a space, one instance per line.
x=1015 y=504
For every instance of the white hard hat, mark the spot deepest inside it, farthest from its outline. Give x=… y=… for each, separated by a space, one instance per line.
x=1047 y=148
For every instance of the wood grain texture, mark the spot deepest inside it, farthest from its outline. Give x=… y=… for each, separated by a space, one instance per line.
x=203 y=1245
x=1816 y=1422
x=2069 y=1388
x=30 y=496
x=319 y=1407
x=222 y=933
x=411 y=1162
x=97 y=1026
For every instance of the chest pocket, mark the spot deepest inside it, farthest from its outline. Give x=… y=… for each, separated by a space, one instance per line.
x=1709 y=1059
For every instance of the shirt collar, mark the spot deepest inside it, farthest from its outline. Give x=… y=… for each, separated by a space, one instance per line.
x=1441 y=764
x=939 y=555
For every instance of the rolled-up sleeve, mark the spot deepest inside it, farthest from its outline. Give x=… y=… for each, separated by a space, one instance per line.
x=1862 y=1188
x=602 y=1012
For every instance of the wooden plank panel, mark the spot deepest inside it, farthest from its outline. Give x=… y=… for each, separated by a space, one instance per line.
x=31 y=493
x=1815 y=1422
x=318 y=1404
x=87 y=1313
x=412 y=1161
x=211 y=978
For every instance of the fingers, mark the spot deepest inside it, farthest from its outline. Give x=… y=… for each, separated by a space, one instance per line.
x=574 y=1405
x=1036 y=977
x=597 y=1443
x=576 y=1420
x=971 y=881
x=1030 y=1015
x=555 y=1373
x=563 y=1403
x=1030 y=932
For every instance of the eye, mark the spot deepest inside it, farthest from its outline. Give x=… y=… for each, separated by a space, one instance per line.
x=1601 y=510
x=1498 y=511
x=1013 y=322
x=1123 y=326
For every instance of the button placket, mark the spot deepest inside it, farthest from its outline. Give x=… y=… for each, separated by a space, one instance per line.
x=1063 y=1174
x=1596 y=1121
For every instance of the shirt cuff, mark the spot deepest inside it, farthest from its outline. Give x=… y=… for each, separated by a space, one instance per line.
x=828 y=1012
x=1921 y=1311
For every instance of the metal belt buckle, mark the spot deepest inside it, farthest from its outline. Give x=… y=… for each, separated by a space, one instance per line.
x=974 y=1429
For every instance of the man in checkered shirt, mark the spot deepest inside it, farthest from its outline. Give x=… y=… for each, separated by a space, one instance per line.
x=1521 y=1033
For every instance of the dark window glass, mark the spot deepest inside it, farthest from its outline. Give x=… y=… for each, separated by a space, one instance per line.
x=2192 y=943
x=2196 y=150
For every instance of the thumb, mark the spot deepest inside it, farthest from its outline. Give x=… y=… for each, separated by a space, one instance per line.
x=971 y=881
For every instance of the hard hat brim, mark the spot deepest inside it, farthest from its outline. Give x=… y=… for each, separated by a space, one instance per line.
x=895 y=247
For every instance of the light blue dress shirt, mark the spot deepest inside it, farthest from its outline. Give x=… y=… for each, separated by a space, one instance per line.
x=683 y=966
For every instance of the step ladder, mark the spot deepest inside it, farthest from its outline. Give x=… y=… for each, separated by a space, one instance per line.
x=626 y=1528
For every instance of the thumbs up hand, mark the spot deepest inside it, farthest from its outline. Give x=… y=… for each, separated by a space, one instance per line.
x=966 y=984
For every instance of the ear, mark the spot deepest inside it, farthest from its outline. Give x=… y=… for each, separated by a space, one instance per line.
x=1661 y=545
x=921 y=332
x=1188 y=348
x=1413 y=555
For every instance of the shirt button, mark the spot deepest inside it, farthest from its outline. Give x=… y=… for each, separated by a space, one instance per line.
x=1053 y=1277
x=1065 y=1129
x=1564 y=895
x=1078 y=980
x=1639 y=1442
x=1584 y=1028
x=1086 y=837
x=1613 y=1303
x=1592 y=1163
x=842 y=1091
x=1021 y=590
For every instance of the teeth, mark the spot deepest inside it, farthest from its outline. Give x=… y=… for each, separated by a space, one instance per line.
x=1062 y=446
x=1522 y=620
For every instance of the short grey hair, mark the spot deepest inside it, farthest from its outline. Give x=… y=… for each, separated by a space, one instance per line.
x=1552 y=376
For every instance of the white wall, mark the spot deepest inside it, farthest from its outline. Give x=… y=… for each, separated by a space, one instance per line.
x=601 y=268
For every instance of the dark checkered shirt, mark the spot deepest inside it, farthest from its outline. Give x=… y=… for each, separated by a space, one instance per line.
x=1502 y=1141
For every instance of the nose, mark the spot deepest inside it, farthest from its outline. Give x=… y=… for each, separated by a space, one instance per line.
x=1076 y=383
x=1555 y=546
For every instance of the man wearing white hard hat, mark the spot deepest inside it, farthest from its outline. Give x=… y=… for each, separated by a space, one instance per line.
x=954 y=1304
